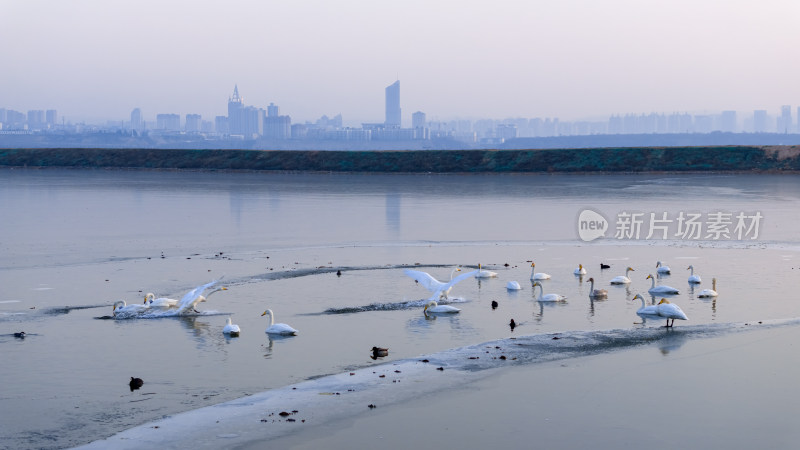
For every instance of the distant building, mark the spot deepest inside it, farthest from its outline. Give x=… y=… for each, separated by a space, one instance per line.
x=273 y=110
x=393 y=112
x=221 y=125
x=51 y=117
x=168 y=122
x=418 y=120
x=277 y=127
x=236 y=113
x=785 y=120
x=35 y=119
x=193 y=123
x=136 y=119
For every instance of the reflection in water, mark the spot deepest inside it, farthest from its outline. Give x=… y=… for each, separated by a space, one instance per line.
x=393 y=212
x=673 y=341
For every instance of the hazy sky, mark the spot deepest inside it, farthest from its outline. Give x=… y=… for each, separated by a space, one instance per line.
x=573 y=59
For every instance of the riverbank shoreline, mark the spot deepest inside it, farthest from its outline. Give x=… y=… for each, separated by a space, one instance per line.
x=738 y=159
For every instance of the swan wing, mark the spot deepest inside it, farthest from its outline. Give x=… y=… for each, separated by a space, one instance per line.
x=191 y=296
x=426 y=280
x=459 y=278
x=445 y=287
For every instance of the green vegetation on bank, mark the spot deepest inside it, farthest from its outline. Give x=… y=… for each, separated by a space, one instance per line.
x=643 y=159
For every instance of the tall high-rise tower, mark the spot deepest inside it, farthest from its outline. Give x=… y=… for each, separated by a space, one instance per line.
x=393 y=105
x=235 y=112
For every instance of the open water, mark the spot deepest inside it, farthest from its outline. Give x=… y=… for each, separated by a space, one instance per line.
x=74 y=242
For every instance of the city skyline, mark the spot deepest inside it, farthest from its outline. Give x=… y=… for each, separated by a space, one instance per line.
x=576 y=60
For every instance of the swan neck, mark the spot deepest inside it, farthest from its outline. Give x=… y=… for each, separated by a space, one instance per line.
x=652 y=282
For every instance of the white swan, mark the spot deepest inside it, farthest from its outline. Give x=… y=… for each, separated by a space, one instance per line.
x=660 y=268
x=123 y=309
x=434 y=307
x=231 y=328
x=548 y=297
x=622 y=279
x=538 y=276
x=663 y=289
x=645 y=309
x=706 y=293
x=440 y=290
x=596 y=293
x=485 y=273
x=513 y=286
x=161 y=302
x=580 y=270
x=278 y=328
x=670 y=311
x=694 y=279
x=189 y=303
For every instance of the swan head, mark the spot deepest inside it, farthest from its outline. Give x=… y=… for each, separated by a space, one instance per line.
x=269 y=311
x=591 y=280
x=663 y=300
x=690 y=267
x=119 y=304
x=149 y=298
x=536 y=283
x=580 y=266
x=630 y=268
x=533 y=264
x=639 y=296
x=430 y=304
x=649 y=276
x=658 y=264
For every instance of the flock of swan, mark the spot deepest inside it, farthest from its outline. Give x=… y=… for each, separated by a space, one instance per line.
x=166 y=307
x=664 y=309
x=440 y=290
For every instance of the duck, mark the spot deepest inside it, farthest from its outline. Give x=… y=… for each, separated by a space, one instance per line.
x=495 y=304
x=230 y=328
x=580 y=270
x=693 y=279
x=707 y=293
x=440 y=290
x=661 y=268
x=135 y=383
x=19 y=334
x=278 y=328
x=670 y=311
x=622 y=279
x=379 y=352
x=513 y=286
x=161 y=302
x=663 y=289
x=548 y=297
x=539 y=275
x=122 y=309
x=596 y=293
x=512 y=324
x=485 y=273
x=604 y=266
x=434 y=307
x=645 y=309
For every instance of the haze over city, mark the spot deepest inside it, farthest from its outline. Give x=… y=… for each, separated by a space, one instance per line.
x=96 y=60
